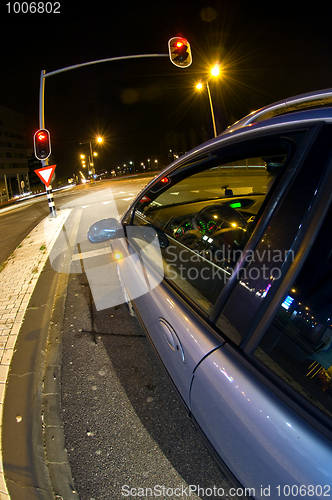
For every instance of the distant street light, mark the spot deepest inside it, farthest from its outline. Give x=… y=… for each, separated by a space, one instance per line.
x=99 y=139
x=132 y=165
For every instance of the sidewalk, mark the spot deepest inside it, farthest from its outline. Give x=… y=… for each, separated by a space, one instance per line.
x=18 y=279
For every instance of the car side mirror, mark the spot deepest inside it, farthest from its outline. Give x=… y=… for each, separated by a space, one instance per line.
x=107 y=229
x=104 y=230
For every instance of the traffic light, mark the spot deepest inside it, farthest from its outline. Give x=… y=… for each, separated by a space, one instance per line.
x=180 y=52
x=42 y=144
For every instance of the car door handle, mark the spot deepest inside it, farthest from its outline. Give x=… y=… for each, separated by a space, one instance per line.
x=171 y=338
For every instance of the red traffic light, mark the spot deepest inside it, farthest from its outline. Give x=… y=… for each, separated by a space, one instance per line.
x=40 y=136
x=42 y=144
x=180 y=52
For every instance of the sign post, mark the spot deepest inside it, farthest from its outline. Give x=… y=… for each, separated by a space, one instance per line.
x=45 y=174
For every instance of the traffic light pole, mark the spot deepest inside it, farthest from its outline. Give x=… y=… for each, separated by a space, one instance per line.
x=42 y=100
x=76 y=66
x=44 y=75
x=49 y=192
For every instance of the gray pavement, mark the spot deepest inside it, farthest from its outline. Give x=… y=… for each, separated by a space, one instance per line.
x=124 y=426
x=88 y=410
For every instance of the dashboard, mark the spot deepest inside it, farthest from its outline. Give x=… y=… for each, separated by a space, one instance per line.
x=217 y=230
x=232 y=213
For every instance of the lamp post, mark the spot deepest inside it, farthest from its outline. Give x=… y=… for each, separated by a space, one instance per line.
x=92 y=154
x=215 y=71
x=212 y=110
x=132 y=164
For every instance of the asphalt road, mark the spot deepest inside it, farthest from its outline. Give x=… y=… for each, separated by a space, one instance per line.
x=126 y=433
x=124 y=426
x=125 y=430
x=16 y=221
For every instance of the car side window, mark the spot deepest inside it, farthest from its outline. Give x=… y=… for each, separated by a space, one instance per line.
x=298 y=344
x=208 y=211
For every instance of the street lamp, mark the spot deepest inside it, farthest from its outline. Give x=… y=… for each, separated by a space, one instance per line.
x=215 y=71
x=132 y=165
x=99 y=139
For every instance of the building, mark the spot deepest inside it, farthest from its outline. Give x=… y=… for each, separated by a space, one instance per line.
x=14 y=171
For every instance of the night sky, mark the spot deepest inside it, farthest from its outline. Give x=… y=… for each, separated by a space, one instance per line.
x=267 y=50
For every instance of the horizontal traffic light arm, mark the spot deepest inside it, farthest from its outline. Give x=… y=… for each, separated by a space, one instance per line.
x=76 y=66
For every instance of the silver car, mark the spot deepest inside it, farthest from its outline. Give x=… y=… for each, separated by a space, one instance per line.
x=226 y=258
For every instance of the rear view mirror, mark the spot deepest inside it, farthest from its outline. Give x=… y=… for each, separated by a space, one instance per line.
x=104 y=230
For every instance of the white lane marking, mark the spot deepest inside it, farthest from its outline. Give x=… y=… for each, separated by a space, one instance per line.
x=92 y=253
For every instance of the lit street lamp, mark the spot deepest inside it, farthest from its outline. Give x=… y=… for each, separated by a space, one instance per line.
x=215 y=71
x=92 y=154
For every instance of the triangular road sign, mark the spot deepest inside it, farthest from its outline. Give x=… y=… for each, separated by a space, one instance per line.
x=45 y=174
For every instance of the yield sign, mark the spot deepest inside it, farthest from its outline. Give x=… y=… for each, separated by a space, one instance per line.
x=45 y=174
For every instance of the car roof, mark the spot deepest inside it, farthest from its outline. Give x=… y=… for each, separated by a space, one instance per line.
x=309 y=106
x=305 y=108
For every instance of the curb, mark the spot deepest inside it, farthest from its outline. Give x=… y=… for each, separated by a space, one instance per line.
x=54 y=438
x=35 y=464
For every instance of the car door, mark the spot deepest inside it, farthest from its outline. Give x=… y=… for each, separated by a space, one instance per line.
x=208 y=210
x=263 y=399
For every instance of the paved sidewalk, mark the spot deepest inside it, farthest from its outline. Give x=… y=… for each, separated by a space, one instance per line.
x=17 y=282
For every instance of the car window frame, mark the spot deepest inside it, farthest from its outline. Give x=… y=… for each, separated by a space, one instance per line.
x=253 y=325
x=270 y=208
x=285 y=392
x=309 y=132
